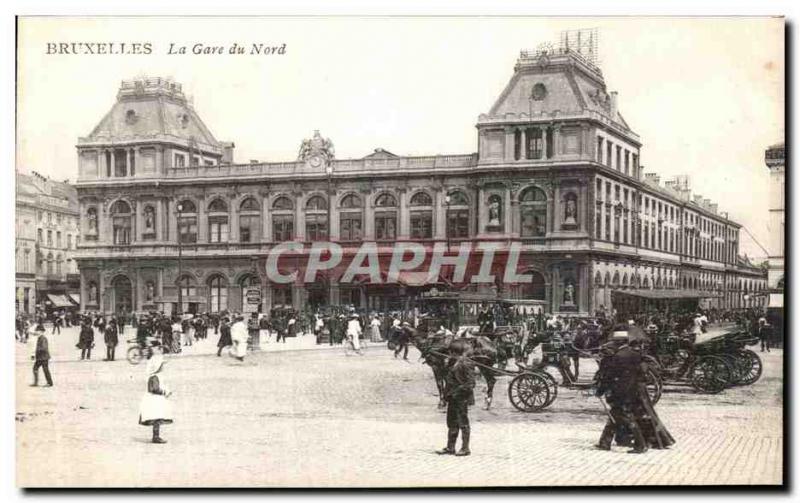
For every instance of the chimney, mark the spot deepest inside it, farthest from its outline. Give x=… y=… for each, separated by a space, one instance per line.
x=698 y=200
x=706 y=203
x=713 y=208
x=227 y=152
x=614 y=104
x=652 y=179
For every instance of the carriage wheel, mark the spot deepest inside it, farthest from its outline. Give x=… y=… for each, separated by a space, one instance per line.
x=552 y=387
x=654 y=385
x=752 y=364
x=710 y=374
x=528 y=392
x=735 y=367
x=134 y=355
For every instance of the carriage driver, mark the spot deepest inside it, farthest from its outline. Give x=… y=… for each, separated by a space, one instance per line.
x=459 y=385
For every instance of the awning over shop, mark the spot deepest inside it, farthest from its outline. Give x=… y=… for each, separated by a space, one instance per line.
x=645 y=293
x=76 y=298
x=59 y=300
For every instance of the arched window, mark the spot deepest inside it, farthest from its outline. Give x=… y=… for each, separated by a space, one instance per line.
x=251 y=293
x=282 y=219
x=457 y=207
x=350 y=218
x=59 y=262
x=217 y=294
x=615 y=280
x=188 y=287
x=187 y=221
x=316 y=219
x=218 y=228
x=646 y=282
x=535 y=290
x=625 y=280
x=385 y=216
x=533 y=212
x=421 y=216
x=49 y=263
x=121 y=223
x=249 y=221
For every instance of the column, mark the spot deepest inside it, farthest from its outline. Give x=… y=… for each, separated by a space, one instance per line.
x=160 y=168
x=266 y=220
x=543 y=132
x=509 y=143
x=439 y=214
x=101 y=290
x=333 y=213
x=556 y=290
x=202 y=221
x=266 y=296
x=128 y=163
x=507 y=223
x=602 y=209
x=299 y=219
x=557 y=208
x=481 y=211
x=82 y=290
x=369 y=217
x=556 y=141
x=137 y=219
x=405 y=216
x=233 y=221
x=514 y=217
x=172 y=220
x=137 y=164
x=113 y=162
x=138 y=291
x=584 y=280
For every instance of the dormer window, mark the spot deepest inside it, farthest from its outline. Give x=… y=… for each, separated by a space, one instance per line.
x=539 y=92
x=131 y=117
x=184 y=120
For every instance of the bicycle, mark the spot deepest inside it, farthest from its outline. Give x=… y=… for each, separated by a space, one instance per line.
x=138 y=352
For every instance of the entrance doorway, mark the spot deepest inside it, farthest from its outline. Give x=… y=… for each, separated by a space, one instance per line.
x=123 y=295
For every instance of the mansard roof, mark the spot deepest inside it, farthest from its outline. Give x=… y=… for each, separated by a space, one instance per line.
x=152 y=109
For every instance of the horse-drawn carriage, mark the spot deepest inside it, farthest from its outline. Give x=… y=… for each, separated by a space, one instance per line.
x=709 y=366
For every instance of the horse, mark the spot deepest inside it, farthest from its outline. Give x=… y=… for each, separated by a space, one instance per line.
x=436 y=349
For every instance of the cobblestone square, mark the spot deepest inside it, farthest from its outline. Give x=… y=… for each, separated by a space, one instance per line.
x=316 y=417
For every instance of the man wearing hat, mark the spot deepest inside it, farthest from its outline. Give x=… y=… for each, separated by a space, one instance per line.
x=224 y=336
x=41 y=358
x=111 y=339
x=458 y=392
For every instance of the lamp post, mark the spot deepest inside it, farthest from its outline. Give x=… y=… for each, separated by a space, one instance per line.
x=447 y=221
x=180 y=259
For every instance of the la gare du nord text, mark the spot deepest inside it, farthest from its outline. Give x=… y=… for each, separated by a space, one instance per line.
x=232 y=49
x=485 y=262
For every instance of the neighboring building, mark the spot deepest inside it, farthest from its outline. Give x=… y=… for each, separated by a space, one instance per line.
x=775 y=158
x=46 y=238
x=557 y=171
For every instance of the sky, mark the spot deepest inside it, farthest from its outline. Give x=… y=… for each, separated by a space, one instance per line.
x=705 y=95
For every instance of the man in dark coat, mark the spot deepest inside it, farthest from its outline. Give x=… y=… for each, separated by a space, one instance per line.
x=42 y=359
x=459 y=386
x=621 y=375
x=224 y=336
x=86 y=341
x=111 y=339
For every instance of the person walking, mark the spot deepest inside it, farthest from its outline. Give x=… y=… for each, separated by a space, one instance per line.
x=56 y=324
x=764 y=333
x=375 y=327
x=354 y=332
x=111 y=339
x=459 y=394
x=154 y=409
x=41 y=359
x=239 y=337
x=224 y=336
x=86 y=341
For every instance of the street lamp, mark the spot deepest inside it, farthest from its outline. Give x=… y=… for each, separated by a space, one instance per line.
x=180 y=259
x=447 y=221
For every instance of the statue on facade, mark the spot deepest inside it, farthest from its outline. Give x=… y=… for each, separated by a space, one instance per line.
x=570 y=210
x=495 y=213
x=92 y=293
x=149 y=219
x=150 y=291
x=569 y=294
x=91 y=216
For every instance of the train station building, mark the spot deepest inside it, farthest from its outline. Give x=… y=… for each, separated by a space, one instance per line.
x=557 y=175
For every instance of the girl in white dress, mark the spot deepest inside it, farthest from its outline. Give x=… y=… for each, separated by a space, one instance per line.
x=154 y=409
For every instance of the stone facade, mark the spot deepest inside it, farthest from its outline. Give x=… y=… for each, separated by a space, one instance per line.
x=46 y=238
x=557 y=172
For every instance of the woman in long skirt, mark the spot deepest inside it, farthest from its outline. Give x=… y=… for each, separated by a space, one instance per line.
x=154 y=409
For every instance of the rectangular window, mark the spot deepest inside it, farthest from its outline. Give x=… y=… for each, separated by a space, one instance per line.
x=608 y=154
x=421 y=224
x=598 y=225
x=49 y=238
x=535 y=144
x=600 y=150
x=646 y=235
x=39 y=234
x=180 y=161
x=350 y=226
x=316 y=227
x=248 y=228
x=69 y=241
x=627 y=162
x=458 y=223
x=386 y=225
x=187 y=228
x=533 y=220
x=282 y=227
x=218 y=230
x=619 y=158
x=616 y=229
x=625 y=231
x=58 y=239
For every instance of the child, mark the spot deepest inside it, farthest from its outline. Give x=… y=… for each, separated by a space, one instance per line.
x=154 y=409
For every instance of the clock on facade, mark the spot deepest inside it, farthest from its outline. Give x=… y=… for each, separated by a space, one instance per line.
x=315 y=161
